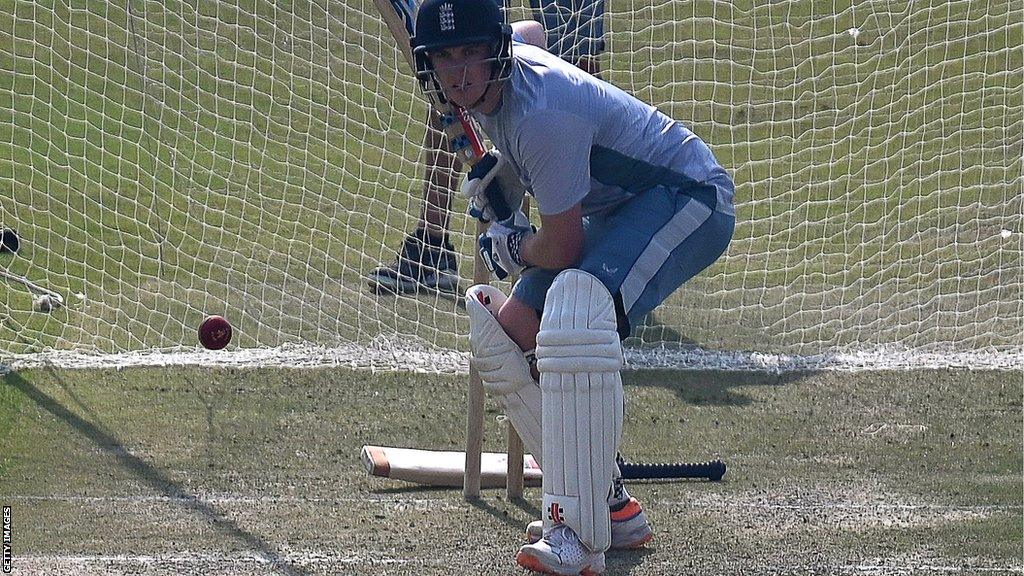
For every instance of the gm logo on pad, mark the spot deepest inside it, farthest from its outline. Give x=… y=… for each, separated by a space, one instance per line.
x=555 y=513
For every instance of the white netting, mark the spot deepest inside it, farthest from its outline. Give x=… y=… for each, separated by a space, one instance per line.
x=164 y=160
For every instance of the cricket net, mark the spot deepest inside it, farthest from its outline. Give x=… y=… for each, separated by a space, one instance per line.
x=164 y=160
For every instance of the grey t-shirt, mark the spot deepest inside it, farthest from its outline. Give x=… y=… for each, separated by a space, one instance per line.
x=573 y=138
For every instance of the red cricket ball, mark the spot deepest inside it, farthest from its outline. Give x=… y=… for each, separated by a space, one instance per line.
x=214 y=332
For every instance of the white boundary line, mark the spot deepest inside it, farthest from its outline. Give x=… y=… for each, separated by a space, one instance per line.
x=396 y=355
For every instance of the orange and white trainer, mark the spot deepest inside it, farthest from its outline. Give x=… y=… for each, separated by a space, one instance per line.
x=561 y=553
x=630 y=528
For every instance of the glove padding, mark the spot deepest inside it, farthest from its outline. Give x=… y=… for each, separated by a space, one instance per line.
x=493 y=188
x=500 y=246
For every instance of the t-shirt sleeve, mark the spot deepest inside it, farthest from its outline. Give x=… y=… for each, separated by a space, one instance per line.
x=554 y=150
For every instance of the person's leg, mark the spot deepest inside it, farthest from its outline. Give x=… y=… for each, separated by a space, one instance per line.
x=442 y=176
x=575 y=30
x=654 y=244
x=579 y=357
x=521 y=317
x=427 y=258
x=503 y=368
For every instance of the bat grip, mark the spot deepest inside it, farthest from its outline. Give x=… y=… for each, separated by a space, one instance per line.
x=499 y=205
x=713 y=470
x=471 y=132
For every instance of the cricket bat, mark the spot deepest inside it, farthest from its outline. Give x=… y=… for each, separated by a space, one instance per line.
x=460 y=129
x=438 y=468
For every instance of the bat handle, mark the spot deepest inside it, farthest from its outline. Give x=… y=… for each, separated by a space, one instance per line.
x=470 y=149
x=713 y=470
x=502 y=211
x=469 y=127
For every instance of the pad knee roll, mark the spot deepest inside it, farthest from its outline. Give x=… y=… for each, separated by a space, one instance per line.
x=501 y=364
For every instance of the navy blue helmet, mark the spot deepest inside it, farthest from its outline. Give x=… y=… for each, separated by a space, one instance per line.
x=446 y=23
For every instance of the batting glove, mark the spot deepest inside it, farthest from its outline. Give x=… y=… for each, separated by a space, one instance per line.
x=500 y=246
x=493 y=188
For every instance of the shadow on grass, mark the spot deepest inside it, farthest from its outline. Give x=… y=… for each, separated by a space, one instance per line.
x=622 y=561
x=149 y=474
x=700 y=387
x=484 y=505
x=710 y=387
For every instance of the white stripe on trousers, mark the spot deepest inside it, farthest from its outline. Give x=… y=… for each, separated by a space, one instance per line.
x=658 y=250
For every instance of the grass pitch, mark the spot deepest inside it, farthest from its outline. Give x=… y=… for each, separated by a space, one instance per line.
x=239 y=472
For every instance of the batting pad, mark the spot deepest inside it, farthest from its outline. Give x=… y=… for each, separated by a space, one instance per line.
x=579 y=357
x=502 y=367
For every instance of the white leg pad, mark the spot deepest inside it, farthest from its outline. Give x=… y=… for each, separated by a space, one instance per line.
x=503 y=367
x=579 y=357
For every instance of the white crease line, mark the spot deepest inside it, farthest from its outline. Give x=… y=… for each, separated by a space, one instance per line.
x=207 y=558
x=459 y=503
x=843 y=506
x=224 y=499
x=889 y=569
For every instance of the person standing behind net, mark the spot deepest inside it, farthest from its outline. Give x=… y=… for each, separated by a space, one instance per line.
x=632 y=204
x=426 y=259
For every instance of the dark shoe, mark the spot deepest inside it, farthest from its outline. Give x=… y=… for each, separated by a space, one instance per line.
x=421 y=264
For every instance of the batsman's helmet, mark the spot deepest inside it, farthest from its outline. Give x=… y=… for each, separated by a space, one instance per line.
x=447 y=23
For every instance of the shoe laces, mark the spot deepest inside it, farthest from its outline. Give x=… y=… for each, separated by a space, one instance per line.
x=561 y=536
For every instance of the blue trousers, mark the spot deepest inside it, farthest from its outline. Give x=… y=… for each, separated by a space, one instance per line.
x=644 y=249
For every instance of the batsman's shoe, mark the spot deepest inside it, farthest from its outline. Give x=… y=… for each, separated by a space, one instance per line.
x=630 y=528
x=423 y=263
x=561 y=553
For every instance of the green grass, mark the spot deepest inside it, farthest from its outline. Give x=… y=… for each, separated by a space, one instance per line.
x=10 y=406
x=256 y=159
x=187 y=469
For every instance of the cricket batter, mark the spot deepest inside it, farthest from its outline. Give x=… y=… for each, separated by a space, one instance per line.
x=632 y=204
x=571 y=29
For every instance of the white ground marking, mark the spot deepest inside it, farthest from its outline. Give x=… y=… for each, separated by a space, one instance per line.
x=408 y=355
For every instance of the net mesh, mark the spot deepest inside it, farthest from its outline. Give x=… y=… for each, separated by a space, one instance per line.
x=165 y=160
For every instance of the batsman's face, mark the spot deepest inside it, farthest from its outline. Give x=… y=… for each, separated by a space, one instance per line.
x=463 y=72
